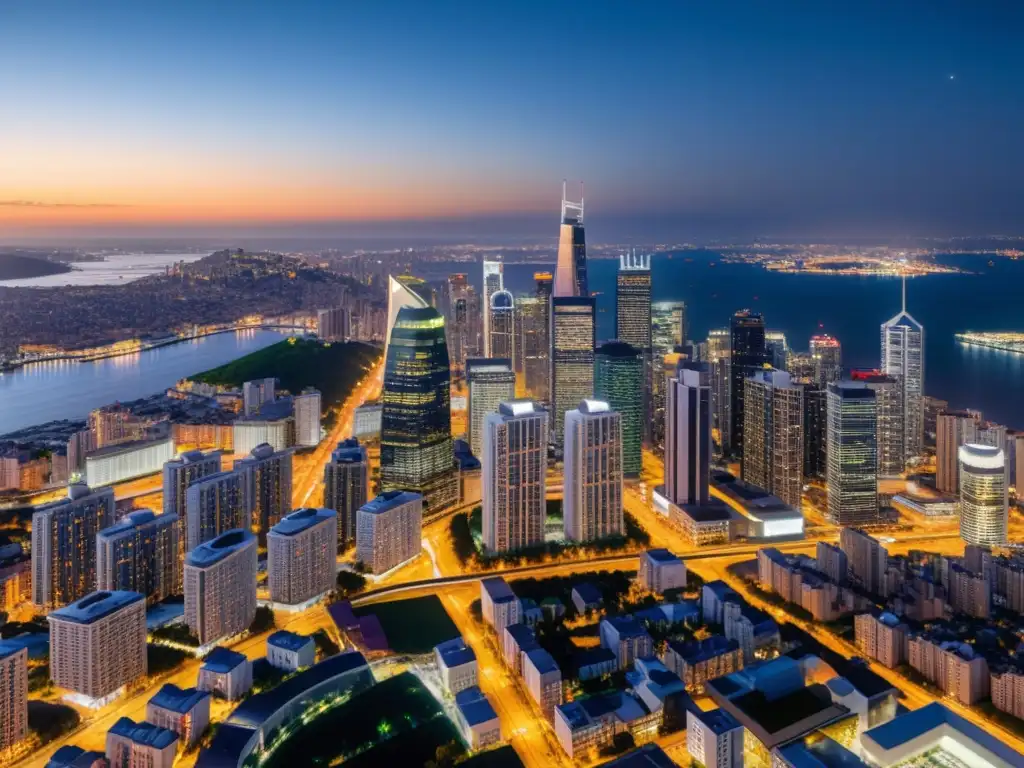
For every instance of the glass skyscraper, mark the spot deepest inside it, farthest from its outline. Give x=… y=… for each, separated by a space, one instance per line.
x=502 y=326
x=571 y=269
x=852 y=454
x=983 y=499
x=573 y=329
x=633 y=326
x=748 y=355
x=416 y=431
x=618 y=378
x=903 y=358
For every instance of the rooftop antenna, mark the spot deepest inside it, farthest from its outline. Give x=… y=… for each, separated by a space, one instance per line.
x=571 y=210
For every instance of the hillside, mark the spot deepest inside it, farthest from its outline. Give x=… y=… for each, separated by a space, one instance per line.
x=21 y=267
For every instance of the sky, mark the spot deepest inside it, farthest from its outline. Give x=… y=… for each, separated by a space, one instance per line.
x=863 y=117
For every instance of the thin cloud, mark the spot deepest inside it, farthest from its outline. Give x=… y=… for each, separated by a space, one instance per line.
x=42 y=204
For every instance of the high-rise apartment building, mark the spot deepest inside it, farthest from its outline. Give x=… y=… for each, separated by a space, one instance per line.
x=983 y=495
x=748 y=355
x=827 y=354
x=593 y=472
x=571 y=269
x=688 y=443
x=489 y=382
x=866 y=557
x=773 y=442
x=776 y=348
x=494 y=281
x=573 y=334
x=220 y=586
x=890 y=432
x=852 y=450
x=514 y=476
x=460 y=320
x=216 y=504
x=13 y=696
x=64 y=545
x=256 y=393
x=903 y=358
x=416 y=452
x=620 y=372
x=307 y=418
x=98 y=645
x=389 y=530
x=114 y=424
x=333 y=324
x=268 y=475
x=301 y=556
x=346 y=486
x=139 y=553
x=179 y=474
x=953 y=429
x=501 y=328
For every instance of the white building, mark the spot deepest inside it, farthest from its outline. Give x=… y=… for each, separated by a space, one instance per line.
x=307 y=418
x=983 y=495
x=184 y=711
x=290 y=651
x=98 y=645
x=220 y=586
x=714 y=739
x=247 y=434
x=903 y=359
x=301 y=555
x=456 y=663
x=389 y=530
x=543 y=680
x=661 y=571
x=593 y=472
x=225 y=672
x=489 y=383
x=626 y=638
x=140 y=745
x=514 y=469
x=498 y=604
x=13 y=695
x=366 y=421
x=124 y=461
x=477 y=719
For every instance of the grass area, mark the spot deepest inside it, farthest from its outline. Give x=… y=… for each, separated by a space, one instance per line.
x=176 y=633
x=162 y=658
x=50 y=721
x=396 y=722
x=297 y=363
x=413 y=626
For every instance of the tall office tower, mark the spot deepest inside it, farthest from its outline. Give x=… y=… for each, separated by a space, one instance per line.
x=220 y=586
x=502 y=326
x=633 y=326
x=399 y=297
x=460 y=320
x=416 y=451
x=983 y=495
x=593 y=472
x=346 y=485
x=827 y=354
x=866 y=558
x=13 y=696
x=931 y=407
x=389 y=530
x=269 y=477
x=903 y=357
x=139 y=553
x=536 y=341
x=773 y=428
x=64 y=545
x=815 y=430
x=301 y=554
x=777 y=349
x=514 y=463
x=494 y=281
x=852 y=450
x=571 y=269
x=802 y=366
x=889 y=407
x=257 y=392
x=718 y=357
x=333 y=324
x=98 y=645
x=668 y=326
x=489 y=383
x=619 y=375
x=307 y=418
x=573 y=333
x=748 y=355
x=216 y=504
x=688 y=443
x=953 y=430
x=1015 y=462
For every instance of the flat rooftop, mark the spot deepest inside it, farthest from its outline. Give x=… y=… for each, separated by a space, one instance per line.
x=134 y=445
x=95 y=606
x=302 y=520
x=474 y=706
x=215 y=550
x=389 y=500
x=289 y=641
x=223 y=660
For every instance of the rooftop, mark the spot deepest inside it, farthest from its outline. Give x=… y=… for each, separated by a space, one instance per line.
x=389 y=500
x=523 y=635
x=474 y=706
x=70 y=756
x=720 y=589
x=134 y=445
x=497 y=588
x=542 y=661
x=662 y=556
x=696 y=651
x=301 y=520
x=626 y=626
x=718 y=721
x=215 y=550
x=455 y=653
x=9 y=649
x=144 y=733
x=289 y=641
x=647 y=756
x=349 y=452
x=590 y=656
x=136 y=519
x=95 y=606
x=588 y=593
x=819 y=751
x=177 y=699
x=222 y=660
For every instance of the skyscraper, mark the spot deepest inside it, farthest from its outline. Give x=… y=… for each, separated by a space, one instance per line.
x=389 y=530
x=502 y=326
x=593 y=472
x=494 y=281
x=181 y=472
x=216 y=504
x=889 y=407
x=571 y=269
x=668 y=326
x=619 y=375
x=139 y=553
x=852 y=454
x=268 y=474
x=748 y=355
x=983 y=495
x=307 y=418
x=64 y=545
x=220 y=586
x=633 y=324
x=13 y=695
x=688 y=444
x=573 y=331
x=815 y=430
x=346 y=486
x=776 y=349
x=489 y=382
x=459 y=321
x=953 y=429
x=537 y=339
x=827 y=354
x=514 y=464
x=416 y=427
x=903 y=358
x=301 y=555
x=773 y=443
x=399 y=297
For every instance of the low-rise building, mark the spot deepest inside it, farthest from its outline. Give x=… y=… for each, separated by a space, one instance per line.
x=594 y=662
x=290 y=651
x=477 y=719
x=456 y=663
x=586 y=597
x=661 y=571
x=653 y=683
x=882 y=638
x=186 y=712
x=697 y=661
x=71 y=756
x=226 y=673
x=543 y=680
x=593 y=722
x=516 y=640
x=135 y=745
x=626 y=638
x=714 y=738
x=753 y=629
x=498 y=603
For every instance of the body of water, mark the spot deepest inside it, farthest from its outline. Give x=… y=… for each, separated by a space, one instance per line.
x=850 y=308
x=64 y=389
x=119 y=268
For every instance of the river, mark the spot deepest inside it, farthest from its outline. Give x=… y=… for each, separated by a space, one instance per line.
x=116 y=269
x=65 y=389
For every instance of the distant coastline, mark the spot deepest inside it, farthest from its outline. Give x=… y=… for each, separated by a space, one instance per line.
x=14 y=267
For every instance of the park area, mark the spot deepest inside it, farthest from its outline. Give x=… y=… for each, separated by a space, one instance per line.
x=412 y=626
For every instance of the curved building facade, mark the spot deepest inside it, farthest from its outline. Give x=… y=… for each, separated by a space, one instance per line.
x=502 y=325
x=983 y=500
x=416 y=451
